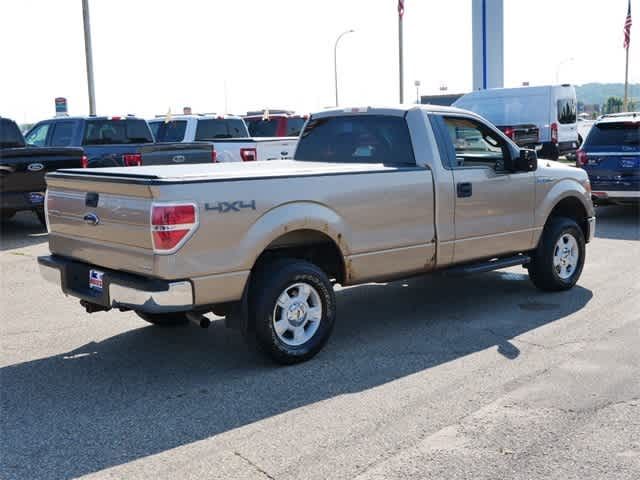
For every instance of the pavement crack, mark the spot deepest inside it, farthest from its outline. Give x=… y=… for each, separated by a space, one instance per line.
x=254 y=465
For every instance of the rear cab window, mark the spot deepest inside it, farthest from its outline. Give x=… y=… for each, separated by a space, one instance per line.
x=62 y=135
x=171 y=131
x=10 y=135
x=217 y=128
x=294 y=126
x=357 y=139
x=116 y=132
x=614 y=134
x=259 y=127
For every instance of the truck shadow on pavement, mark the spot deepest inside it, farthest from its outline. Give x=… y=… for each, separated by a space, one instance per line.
x=23 y=230
x=618 y=222
x=150 y=389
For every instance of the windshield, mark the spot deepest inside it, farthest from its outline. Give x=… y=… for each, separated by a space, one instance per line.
x=117 y=132
x=356 y=139
x=210 y=129
x=10 y=135
x=263 y=128
x=614 y=134
x=172 y=131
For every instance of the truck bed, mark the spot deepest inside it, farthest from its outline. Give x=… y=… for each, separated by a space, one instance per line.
x=204 y=172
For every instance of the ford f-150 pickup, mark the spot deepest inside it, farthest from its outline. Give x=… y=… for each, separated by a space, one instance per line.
x=227 y=133
x=22 y=170
x=106 y=141
x=373 y=194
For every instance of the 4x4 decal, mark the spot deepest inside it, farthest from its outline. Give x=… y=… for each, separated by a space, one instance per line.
x=224 y=207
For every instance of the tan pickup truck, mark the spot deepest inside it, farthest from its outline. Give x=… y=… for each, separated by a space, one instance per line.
x=373 y=194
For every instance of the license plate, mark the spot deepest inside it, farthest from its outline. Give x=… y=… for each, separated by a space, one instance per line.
x=36 y=198
x=95 y=279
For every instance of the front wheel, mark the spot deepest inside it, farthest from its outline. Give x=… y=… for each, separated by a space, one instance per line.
x=558 y=261
x=164 y=319
x=293 y=305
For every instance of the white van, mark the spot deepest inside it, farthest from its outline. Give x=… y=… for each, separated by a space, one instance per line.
x=551 y=108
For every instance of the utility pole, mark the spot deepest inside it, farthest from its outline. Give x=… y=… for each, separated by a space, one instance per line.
x=335 y=60
x=400 y=53
x=89 y=56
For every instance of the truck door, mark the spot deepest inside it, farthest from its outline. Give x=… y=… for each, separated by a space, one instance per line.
x=493 y=208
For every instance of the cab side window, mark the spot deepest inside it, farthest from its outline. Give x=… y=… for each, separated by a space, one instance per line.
x=38 y=136
x=475 y=145
x=62 y=134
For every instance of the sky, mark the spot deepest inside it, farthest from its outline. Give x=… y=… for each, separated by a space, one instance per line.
x=152 y=55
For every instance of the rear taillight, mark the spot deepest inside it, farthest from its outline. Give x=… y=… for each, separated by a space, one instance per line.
x=84 y=161
x=214 y=156
x=509 y=132
x=581 y=158
x=171 y=225
x=132 y=159
x=554 y=133
x=248 y=154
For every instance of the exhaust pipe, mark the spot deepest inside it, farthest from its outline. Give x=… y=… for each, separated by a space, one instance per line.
x=198 y=319
x=93 y=307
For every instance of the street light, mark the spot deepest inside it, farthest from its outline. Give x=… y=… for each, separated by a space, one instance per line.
x=566 y=60
x=335 y=60
x=417 y=84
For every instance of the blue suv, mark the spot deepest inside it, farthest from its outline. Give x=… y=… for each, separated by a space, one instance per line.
x=611 y=157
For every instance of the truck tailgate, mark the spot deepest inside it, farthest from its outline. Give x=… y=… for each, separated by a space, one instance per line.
x=177 y=153
x=106 y=223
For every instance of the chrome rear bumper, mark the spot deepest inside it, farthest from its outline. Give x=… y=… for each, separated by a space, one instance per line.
x=120 y=290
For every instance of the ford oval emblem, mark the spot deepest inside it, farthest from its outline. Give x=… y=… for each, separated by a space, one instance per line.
x=178 y=158
x=35 y=167
x=91 y=219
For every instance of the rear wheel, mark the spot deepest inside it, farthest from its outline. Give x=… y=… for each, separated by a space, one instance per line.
x=6 y=215
x=164 y=319
x=559 y=259
x=293 y=305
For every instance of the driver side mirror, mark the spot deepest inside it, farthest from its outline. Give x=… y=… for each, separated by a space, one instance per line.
x=527 y=161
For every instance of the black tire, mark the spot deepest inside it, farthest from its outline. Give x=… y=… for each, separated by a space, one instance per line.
x=164 y=319
x=6 y=215
x=268 y=284
x=542 y=271
x=41 y=217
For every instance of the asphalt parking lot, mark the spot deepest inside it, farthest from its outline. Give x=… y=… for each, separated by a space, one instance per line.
x=478 y=377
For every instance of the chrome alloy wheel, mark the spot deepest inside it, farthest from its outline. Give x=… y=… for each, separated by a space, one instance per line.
x=566 y=256
x=297 y=314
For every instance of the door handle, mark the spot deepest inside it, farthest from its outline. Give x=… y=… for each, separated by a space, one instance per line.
x=464 y=189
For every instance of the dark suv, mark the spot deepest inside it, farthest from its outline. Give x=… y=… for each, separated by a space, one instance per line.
x=611 y=157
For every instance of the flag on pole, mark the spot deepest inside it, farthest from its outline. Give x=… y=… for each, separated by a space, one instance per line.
x=400 y=8
x=627 y=27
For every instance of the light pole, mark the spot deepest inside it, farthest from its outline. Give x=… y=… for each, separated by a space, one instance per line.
x=89 y=56
x=417 y=84
x=335 y=60
x=566 y=60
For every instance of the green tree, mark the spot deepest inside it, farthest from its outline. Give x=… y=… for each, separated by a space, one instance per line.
x=613 y=105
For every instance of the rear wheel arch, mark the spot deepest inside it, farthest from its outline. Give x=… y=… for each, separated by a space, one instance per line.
x=309 y=244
